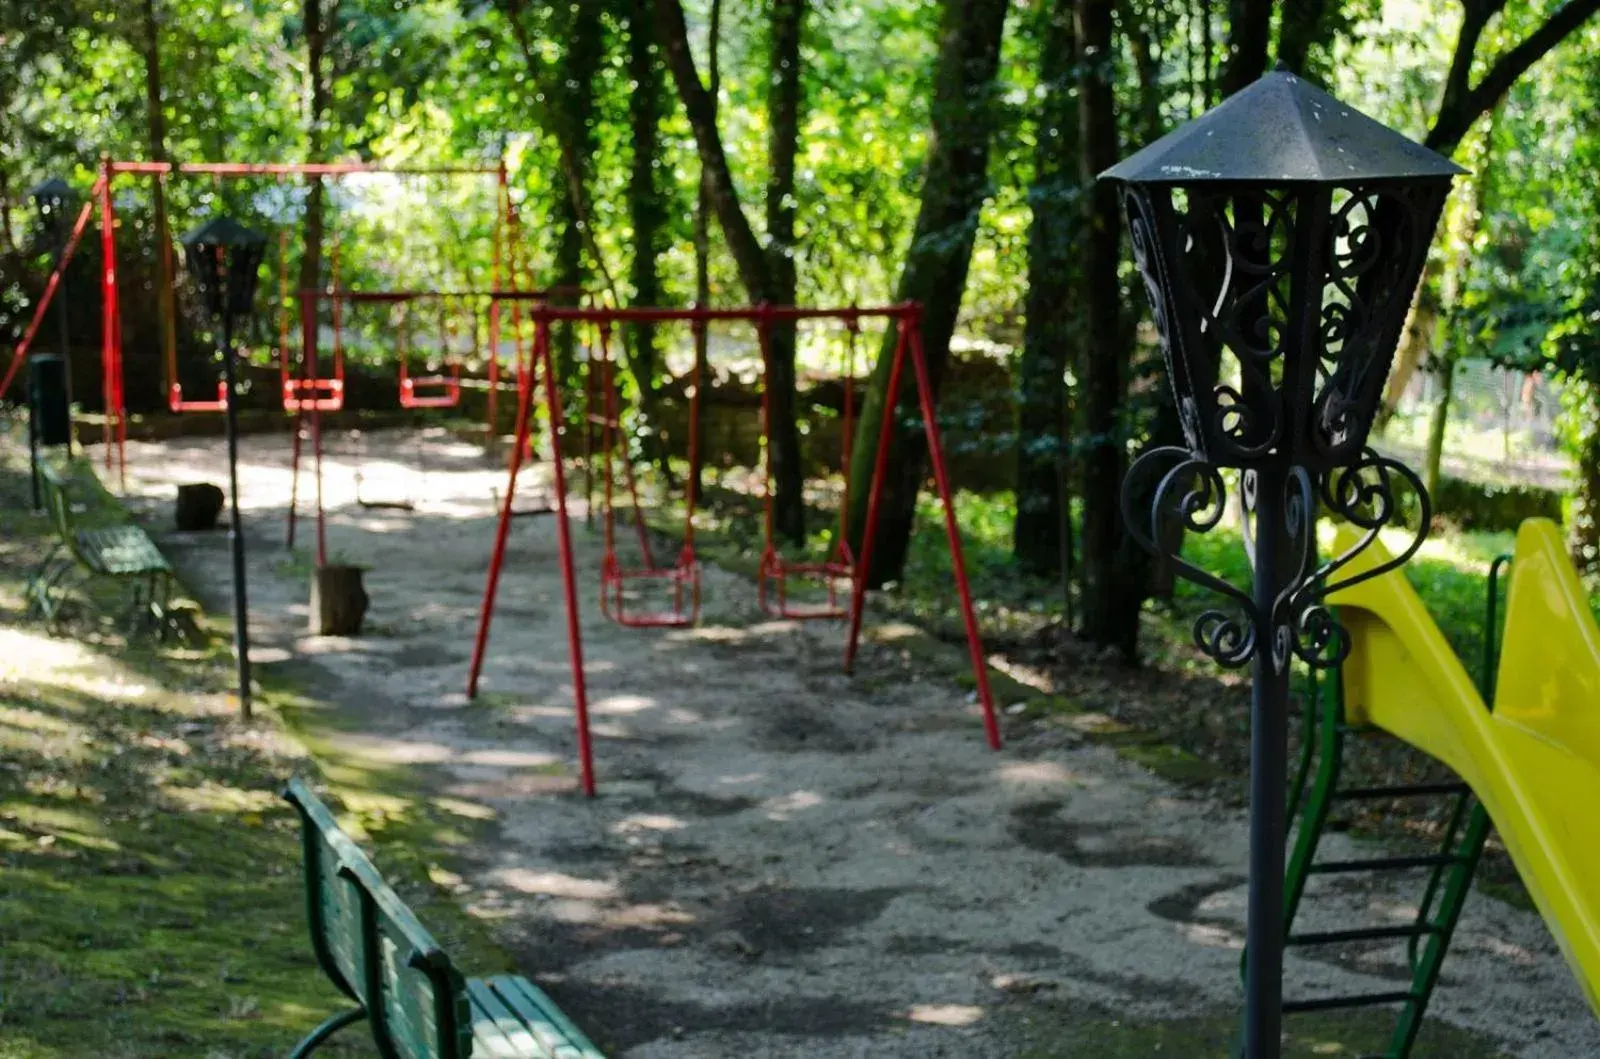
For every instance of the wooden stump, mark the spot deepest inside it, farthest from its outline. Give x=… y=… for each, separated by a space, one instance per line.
x=199 y=504
x=338 y=600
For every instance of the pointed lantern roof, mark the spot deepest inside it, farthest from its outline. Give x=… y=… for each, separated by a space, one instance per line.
x=53 y=188
x=1282 y=129
x=222 y=231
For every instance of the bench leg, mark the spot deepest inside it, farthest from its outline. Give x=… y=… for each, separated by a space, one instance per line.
x=332 y=1025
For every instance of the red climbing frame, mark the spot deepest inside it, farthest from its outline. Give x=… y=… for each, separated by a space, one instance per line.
x=907 y=319
x=21 y=353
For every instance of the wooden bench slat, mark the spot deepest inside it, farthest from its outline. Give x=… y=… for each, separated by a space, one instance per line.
x=497 y=1029
x=535 y=1006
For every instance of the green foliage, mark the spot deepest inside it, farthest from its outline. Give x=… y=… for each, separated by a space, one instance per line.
x=1493 y=506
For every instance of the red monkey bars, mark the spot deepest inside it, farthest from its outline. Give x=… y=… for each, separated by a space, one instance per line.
x=906 y=318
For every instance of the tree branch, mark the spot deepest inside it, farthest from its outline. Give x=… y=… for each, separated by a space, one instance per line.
x=701 y=111
x=1462 y=105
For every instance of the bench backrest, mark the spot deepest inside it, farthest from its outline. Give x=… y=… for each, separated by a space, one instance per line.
x=373 y=947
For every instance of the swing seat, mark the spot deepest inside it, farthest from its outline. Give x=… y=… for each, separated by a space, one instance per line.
x=313 y=395
x=682 y=581
x=834 y=576
x=446 y=391
x=176 y=403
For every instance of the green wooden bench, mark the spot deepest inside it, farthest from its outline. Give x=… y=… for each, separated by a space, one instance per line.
x=376 y=952
x=122 y=553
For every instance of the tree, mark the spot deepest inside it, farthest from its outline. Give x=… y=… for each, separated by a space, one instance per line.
x=766 y=272
x=955 y=185
x=1049 y=345
x=1462 y=104
x=646 y=200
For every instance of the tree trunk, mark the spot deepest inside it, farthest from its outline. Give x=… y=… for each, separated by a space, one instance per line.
x=1111 y=596
x=783 y=141
x=954 y=187
x=702 y=247
x=1445 y=370
x=1304 y=27
x=1049 y=337
x=1249 y=32
x=338 y=600
x=646 y=209
x=574 y=102
x=156 y=126
x=316 y=32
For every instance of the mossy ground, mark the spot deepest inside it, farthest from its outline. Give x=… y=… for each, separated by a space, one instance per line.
x=150 y=895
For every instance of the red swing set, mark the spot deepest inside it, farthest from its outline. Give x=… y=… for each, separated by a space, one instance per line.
x=683 y=576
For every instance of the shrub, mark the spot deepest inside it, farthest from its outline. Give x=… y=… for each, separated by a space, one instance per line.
x=1493 y=507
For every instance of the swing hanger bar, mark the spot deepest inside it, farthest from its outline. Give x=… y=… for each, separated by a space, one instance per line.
x=295 y=168
x=348 y=295
x=904 y=310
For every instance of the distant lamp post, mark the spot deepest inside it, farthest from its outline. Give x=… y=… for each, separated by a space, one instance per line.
x=53 y=199
x=224 y=257
x=1280 y=237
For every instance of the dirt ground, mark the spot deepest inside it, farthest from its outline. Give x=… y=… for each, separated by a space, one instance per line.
x=784 y=861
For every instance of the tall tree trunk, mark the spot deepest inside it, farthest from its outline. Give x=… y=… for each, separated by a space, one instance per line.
x=1305 y=26
x=646 y=207
x=954 y=186
x=1110 y=593
x=574 y=102
x=702 y=246
x=783 y=140
x=756 y=264
x=1049 y=343
x=156 y=127
x=1249 y=32
x=1445 y=369
x=316 y=33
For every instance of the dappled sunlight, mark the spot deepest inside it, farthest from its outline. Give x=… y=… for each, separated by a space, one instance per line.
x=639 y=823
x=398 y=751
x=465 y=809
x=945 y=1014
x=502 y=758
x=1211 y=936
x=212 y=797
x=1040 y=774
x=33 y=656
x=622 y=704
x=786 y=805
x=555 y=884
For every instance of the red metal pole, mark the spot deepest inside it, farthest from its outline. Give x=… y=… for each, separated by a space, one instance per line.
x=503 y=529
x=941 y=478
x=108 y=305
x=880 y=465
x=322 y=522
x=50 y=289
x=294 y=478
x=552 y=396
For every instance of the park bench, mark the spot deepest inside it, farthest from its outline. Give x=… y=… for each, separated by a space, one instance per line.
x=377 y=953
x=122 y=553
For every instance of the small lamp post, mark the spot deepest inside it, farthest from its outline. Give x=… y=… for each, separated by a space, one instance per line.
x=54 y=200
x=1280 y=237
x=224 y=256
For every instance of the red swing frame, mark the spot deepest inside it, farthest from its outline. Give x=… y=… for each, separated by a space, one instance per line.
x=907 y=319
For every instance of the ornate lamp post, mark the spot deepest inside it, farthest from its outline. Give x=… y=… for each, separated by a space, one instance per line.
x=224 y=257
x=1280 y=237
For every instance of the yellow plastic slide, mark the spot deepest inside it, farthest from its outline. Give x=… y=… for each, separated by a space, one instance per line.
x=1535 y=761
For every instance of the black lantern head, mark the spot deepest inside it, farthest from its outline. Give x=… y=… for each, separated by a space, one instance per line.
x=1280 y=237
x=224 y=257
x=53 y=198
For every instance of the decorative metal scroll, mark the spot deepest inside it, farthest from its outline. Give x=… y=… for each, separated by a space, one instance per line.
x=1370 y=494
x=1278 y=309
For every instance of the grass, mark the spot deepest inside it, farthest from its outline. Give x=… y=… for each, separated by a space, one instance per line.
x=150 y=894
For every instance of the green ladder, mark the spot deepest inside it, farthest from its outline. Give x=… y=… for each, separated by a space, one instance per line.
x=1453 y=863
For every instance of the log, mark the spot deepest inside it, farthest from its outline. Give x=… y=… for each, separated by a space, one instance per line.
x=199 y=504
x=338 y=600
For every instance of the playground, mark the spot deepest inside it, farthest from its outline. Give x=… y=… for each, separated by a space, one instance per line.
x=988 y=529
x=782 y=860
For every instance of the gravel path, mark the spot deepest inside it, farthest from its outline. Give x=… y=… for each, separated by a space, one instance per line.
x=783 y=861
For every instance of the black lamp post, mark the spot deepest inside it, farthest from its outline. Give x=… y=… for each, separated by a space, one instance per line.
x=224 y=257
x=1280 y=237
x=54 y=200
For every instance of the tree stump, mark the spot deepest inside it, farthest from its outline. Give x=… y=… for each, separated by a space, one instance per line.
x=199 y=504
x=338 y=600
